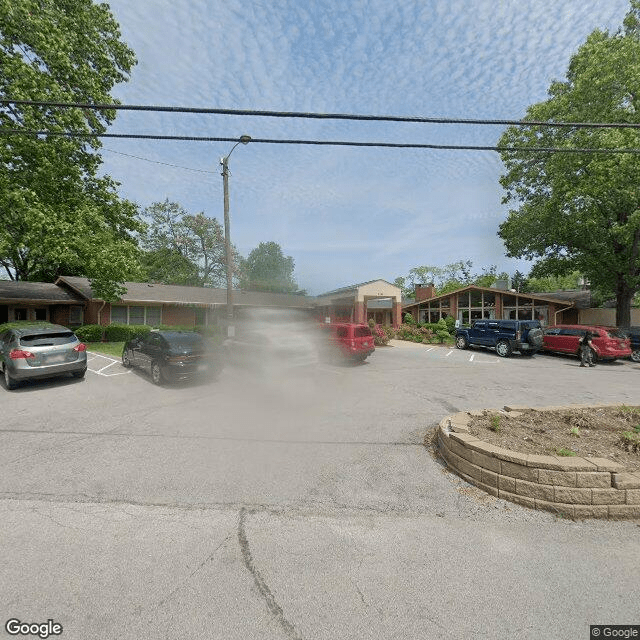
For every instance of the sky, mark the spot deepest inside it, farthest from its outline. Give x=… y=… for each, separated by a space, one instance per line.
x=346 y=215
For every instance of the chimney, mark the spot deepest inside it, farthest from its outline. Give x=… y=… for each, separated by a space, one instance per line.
x=425 y=291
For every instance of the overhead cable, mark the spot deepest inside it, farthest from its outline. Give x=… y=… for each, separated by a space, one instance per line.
x=319 y=116
x=331 y=143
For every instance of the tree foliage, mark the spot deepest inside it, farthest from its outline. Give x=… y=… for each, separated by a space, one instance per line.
x=192 y=245
x=56 y=214
x=268 y=269
x=450 y=277
x=581 y=211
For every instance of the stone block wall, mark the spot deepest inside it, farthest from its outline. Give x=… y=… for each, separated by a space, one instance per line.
x=574 y=487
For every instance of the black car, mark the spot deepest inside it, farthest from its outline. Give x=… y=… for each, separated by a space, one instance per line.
x=505 y=336
x=169 y=356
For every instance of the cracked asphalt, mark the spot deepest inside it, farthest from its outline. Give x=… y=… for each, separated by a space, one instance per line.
x=296 y=503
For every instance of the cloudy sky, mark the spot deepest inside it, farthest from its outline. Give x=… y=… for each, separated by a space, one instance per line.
x=346 y=215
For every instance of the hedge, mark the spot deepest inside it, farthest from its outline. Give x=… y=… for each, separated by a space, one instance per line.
x=90 y=332
x=124 y=332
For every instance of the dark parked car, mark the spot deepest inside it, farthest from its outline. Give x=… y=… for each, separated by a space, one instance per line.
x=505 y=336
x=169 y=356
x=608 y=343
x=40 y=351
x=634 y=336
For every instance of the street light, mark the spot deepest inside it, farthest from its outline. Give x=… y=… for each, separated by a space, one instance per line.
x=224 y=161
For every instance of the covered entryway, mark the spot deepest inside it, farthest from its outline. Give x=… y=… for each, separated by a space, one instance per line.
x=350 y=304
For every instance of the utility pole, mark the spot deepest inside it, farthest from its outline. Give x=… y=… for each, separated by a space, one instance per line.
x=224 y=161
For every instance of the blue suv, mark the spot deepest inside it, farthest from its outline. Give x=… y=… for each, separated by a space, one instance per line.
x=505 y=336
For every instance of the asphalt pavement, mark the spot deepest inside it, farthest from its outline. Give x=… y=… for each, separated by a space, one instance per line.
x=296 y=503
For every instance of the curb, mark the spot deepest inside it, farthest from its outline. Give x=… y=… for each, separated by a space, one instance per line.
x=572 y=487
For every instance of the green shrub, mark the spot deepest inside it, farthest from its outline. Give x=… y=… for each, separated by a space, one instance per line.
x=409 y=319
x=90 y=332
x=451 y=324
x=124 y=332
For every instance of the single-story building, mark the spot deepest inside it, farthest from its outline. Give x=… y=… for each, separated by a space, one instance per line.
x=40 y=301
x=155 y=304
x=475 y=303
x=359 y=302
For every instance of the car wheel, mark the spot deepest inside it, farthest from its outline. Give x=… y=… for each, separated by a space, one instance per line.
x=461 y=342
x=156 y=373
x=503 y=349
x=594 y=356
x=79 y=374
x=126 y=359
x=635 y=355
x=9 y=382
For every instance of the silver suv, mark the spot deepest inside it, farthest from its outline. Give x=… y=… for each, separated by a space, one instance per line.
x=40 y=351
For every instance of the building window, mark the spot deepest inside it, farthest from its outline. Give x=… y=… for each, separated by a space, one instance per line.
x=154 y=316
x=75 y=315
x=40 y=313
x=119 y=315
x=136 y=315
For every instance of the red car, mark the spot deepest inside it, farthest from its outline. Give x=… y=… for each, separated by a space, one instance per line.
x=608 y=343
x=351 y=340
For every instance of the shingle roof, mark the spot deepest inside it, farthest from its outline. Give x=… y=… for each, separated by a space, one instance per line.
x=205 y=296
x=10 y=291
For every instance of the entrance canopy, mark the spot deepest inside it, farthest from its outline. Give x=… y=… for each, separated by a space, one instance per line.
x=350 y=303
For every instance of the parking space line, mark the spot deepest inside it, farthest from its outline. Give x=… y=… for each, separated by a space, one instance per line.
x=472 y=357
x=106 y=367
x=430 y=349
x=448 y=354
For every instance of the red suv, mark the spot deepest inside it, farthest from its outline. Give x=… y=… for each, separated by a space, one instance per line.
x=352 y=341
x=608 y=343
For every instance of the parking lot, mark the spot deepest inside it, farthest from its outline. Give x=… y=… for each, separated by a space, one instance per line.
x=295 y=503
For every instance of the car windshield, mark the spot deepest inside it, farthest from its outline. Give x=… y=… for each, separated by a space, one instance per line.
x=47 y=339
x=616 y=333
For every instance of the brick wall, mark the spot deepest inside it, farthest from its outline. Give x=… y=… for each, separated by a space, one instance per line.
x=184 y=316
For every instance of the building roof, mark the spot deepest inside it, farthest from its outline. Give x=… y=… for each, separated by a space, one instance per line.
x=43 y=292
x=353 y=287
x=545 y=297
x=581 y=298
x=146 y=292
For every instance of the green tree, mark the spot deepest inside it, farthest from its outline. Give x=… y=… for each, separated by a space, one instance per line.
x=56 y=214
x=198 y=240
x=268 y=269
x=170 y=267
x=581 y=211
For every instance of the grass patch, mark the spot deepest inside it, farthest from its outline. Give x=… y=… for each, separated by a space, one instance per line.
x=113 y=349
x=495 y=424
x=565 y=452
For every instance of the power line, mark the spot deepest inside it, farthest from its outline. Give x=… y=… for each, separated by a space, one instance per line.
x=319 y=116
x=166 y=164
x=332 y=143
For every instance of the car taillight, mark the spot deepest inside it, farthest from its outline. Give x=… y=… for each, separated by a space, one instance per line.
x=518 y=335
x=19 y=354
x=80 y=347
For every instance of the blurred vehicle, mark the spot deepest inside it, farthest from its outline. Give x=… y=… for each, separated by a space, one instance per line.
x=608 y=343
x=40 y=351
x=169 y=356
x=633 y=334
x=349 y=340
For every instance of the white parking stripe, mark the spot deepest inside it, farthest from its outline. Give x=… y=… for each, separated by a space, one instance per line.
x=430 y=349
x=448 y=354
x=472 y=357
x=107 y=366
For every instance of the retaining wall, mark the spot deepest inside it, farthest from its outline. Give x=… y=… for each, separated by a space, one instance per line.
x=574 y=487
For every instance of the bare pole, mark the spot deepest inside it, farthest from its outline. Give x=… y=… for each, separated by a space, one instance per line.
x=227 y=234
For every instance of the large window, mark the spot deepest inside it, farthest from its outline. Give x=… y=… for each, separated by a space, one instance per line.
x=132 y=314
